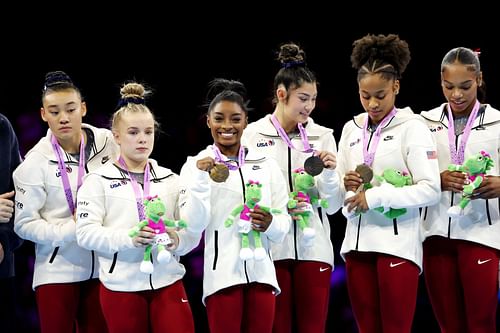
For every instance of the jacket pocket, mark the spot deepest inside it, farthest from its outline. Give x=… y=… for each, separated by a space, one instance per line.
x=115 y=257
x=54 y=254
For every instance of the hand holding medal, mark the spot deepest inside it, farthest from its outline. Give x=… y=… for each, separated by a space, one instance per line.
x=313 y=165
x=366 y=175
x=219 y=172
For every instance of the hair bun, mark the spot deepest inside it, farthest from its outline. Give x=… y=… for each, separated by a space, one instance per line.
x=55 y=78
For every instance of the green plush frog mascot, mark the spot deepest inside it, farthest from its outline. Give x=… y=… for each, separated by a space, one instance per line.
x=305 y=188
x=475 y=167
x=397 y=179
x=253 y=194
x=154 y=209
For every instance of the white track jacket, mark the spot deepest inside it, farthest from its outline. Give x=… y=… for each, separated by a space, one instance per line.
x=263 y=137
x=42 y=213
x=483 y=225
x=107 y=211
x=211 y=204
x=406 y=145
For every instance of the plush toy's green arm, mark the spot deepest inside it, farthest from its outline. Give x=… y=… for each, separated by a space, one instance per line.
x=315 y=201
x=135 y=230
x=455 y=167
x=229 y=221
x=270 y=210
x=173 y=223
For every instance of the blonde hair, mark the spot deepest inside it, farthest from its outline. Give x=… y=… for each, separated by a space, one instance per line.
x=132 y=100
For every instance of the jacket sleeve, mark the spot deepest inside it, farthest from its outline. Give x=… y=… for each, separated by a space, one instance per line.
x=91 y=212
x=419 y=153
x=280 y=224
x=194 y=197
x=188 y=237
x=328 y=182
x=31 y=197
x=8 y=238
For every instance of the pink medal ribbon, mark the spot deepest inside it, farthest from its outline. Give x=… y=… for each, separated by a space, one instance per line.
x=139 y=195
x=64 y=174
x=219 y=159
x=369 y=152
x=282 y=133
x=457 y=155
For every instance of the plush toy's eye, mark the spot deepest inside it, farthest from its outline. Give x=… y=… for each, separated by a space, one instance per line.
x=480 y=158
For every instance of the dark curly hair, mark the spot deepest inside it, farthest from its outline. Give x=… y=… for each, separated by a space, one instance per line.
x=386 y=55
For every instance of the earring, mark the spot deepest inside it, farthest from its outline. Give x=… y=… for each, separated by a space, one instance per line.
x=396 y=92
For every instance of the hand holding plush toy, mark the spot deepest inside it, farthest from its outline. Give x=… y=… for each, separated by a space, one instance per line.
x=304 y=188
x=475 y=167
x=154 y=209
x=253 y=194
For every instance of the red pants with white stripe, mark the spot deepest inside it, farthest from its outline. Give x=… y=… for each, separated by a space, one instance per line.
x=462 y=283
x=383 y=291
x=247 y=308
x=163 y=310
x=305 y=292
x=64 y=306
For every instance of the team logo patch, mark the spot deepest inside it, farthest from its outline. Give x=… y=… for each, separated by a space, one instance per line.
x=115 y=184
x=68 y=170
x=104 y=159
x=436 y=128
x=354 y=142
x=20 y=189
x=431 y=154
x=265 y=143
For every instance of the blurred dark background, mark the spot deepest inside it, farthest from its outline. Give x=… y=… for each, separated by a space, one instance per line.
x=177 y=59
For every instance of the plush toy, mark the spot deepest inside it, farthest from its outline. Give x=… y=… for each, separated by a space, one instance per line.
x=304 y=188
x=397 y=179
x=475 y=167
x=253 y=194
x=154 y=209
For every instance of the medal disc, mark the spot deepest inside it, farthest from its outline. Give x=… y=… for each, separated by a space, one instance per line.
x=219 y=173
x=313 y=165
x=365 y=172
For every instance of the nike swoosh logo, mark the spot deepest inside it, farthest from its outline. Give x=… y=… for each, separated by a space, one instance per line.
x=322 y=269
x=480 y=262
x=397 y=264
x=184 y=300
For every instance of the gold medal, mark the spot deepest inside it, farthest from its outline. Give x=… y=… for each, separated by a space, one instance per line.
x=219 y=173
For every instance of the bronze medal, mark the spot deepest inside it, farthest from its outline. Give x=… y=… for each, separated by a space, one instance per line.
x=365 y=172
x=219 y=173
x=313 y=165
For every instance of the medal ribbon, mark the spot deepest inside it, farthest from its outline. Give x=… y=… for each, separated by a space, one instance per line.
x=284 y=136
x=369 y=152
x=139 y=195
x=457 y=155
x=219 y=159
x=64 y=174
